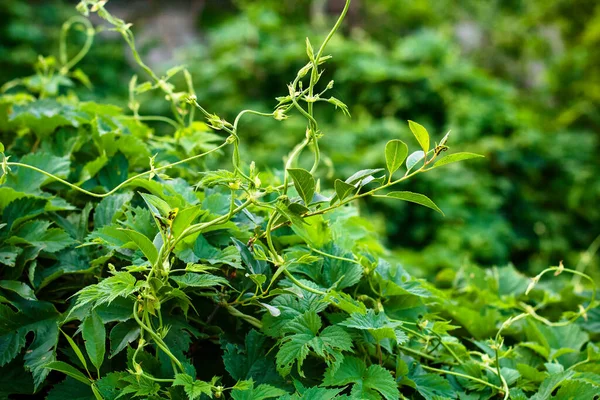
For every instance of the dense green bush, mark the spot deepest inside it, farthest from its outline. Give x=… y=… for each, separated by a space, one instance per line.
x=180 y=280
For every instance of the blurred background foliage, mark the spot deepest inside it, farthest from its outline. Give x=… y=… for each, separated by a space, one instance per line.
x=516 y=80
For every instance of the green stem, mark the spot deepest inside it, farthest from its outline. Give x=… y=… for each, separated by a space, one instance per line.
x=125 y=183
x=443 y=371
x=301 y=285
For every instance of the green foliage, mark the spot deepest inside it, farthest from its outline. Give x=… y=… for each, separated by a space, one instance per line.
x=126 y=239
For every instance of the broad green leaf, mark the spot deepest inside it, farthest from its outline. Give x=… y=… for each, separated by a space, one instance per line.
x=38 y=317
x=19 y=288
x=122 y=334
x=68 y=370
x=413 y=159
x=414 y=198
x=39 y=234
x=550 y=384
x=70 y=389
x=194 y=389
x=110 y=208
x=144 y=244
x=304 y=183
x=361 y=175
x=343 y=189
x=261 y=392
x=9 y=254
x=185 y=218
x=305 y=337
x=366 y=382
x=395 y=154
x=21 y=210
x=456 y=157
x=421 y=134
x=379 y=325
x=139 y=386
x=29 y=181
x=199 y=280
x=251 y=360
x=94 y=335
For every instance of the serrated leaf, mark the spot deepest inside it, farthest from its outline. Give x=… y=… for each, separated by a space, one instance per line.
x=68 y=370
x=304 y=183
x=261 y=392
x=305 y=337
x=121 y=284
x=193 y=388
x=378 y=325
x=94 y=335
x=456 y=157
x=70 y=389
x=199 y=280
x=421 y=134
x=40 y=318
x=110 y=208
x=395 y=154
x=365 y=381
x=414 y=198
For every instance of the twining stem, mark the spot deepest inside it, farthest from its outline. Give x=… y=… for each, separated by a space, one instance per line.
x=157 y=339
x=125 y=183
x=472 y=378
x=89 y=39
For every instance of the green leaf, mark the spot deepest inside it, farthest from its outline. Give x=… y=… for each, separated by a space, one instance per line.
x=77 y=350
x=395 y=154
x=304 y=183
x=29 y=181
x=94 y=335
x=122 y=284
x=144 y=244
x=413 y=159
x=251 y=361
x=139 y=386
x=38 y=317
x=110 y=208
x=379 y=325
x=121 y=335
x=343 y=189
x=366 y=382
x=193 y=389
x=421 y=134
x=19 y=288
x=456 y=157
x=68 y=370
x=305 y=337
x=261 y=392
x=38 y=233
x=70 y=389
x=550 y=384
x=413 y=198
x=199 y=280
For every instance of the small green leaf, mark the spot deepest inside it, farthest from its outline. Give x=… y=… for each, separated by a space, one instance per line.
x=1 y=147
x=456 y=157
x=19 y=288
x=309 y=50
x=193 y=389
x=94 y=334
x=304 y=183
x=413 y=159
x=421 y=134
x=68 y=370
x=343 y=189
x=144 y=244
x=395 y=154
x=414 y=198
